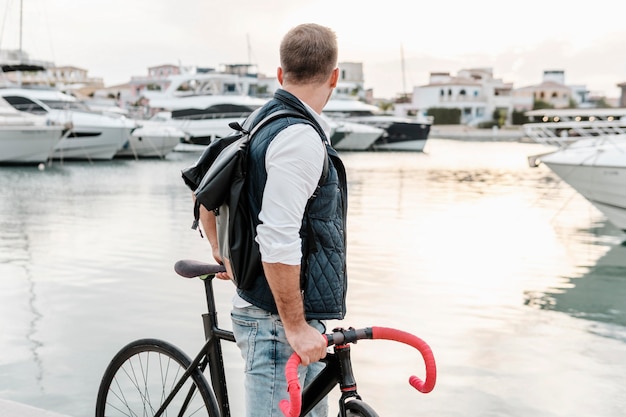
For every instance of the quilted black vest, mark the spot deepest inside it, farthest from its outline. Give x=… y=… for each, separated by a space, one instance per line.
x=323 y=271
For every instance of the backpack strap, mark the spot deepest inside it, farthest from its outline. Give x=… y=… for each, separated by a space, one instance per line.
x=249 y=130
x=277 y=115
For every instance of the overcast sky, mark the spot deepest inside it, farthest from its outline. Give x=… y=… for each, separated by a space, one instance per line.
x=115 y=39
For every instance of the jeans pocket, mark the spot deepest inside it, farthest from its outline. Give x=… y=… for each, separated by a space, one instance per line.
x=245 y=334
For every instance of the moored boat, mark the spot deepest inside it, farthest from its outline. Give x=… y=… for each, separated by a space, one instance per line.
x=400 y=133
x=151 y=140
x=25 y=138
x=596 y=169
x=91 y=136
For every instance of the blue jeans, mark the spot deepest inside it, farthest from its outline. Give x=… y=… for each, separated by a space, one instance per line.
x=261 y=338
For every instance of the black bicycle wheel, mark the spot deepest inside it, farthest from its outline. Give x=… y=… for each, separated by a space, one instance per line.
x=357 y=408
x=142 y=375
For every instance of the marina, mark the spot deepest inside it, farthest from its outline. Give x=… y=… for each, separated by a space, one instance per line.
x=513 y=278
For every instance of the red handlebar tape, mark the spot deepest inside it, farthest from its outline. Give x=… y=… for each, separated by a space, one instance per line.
x=428 y=384
x=292 y=407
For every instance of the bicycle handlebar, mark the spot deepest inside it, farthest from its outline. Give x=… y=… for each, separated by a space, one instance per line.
x=292 y=407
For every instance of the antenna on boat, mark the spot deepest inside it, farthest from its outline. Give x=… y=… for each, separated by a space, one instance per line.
x=403 y=71
x=21 y=20
x=21 y=58
x=249 y=49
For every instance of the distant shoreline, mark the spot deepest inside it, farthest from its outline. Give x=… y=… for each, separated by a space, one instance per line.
x=460 y=132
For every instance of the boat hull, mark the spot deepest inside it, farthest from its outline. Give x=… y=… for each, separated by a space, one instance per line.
x=597 y=170
x=91 y=143
x=354 y=136
x=399 y=134
x=202 y=131
x=28 y=144
x=403 y=136
x=151 y=142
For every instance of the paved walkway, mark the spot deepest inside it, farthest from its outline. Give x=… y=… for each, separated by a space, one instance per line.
x=12 y=409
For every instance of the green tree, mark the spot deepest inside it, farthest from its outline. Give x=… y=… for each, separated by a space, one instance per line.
x=385 y=106
x=540 y=105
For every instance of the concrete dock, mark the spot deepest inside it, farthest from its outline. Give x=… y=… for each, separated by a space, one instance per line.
x=461 y=132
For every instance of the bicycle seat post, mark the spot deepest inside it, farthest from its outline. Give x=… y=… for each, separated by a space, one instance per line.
x=214 y=348
x=210 y=318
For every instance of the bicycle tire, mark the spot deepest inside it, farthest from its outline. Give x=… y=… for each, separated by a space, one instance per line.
x=358 y=408
x=143 y=373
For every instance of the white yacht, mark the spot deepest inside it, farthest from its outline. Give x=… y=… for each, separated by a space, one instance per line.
x=205 y=118
x=596 y=168
x=91 y=136
x=26 y=138
x=202 y=105
x=401 y=133
x=589 y=155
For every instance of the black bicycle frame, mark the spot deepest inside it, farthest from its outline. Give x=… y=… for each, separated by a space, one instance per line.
x=338 y=367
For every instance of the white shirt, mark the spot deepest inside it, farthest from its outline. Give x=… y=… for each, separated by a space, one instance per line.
x=293 y=162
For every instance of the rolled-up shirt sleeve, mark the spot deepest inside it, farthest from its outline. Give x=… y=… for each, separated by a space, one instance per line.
x=294 y=162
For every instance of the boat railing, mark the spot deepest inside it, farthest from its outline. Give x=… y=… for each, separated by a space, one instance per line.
x=209 y=116
x=562 y=133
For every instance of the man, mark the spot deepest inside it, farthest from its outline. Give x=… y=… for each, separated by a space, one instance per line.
x=302 y=242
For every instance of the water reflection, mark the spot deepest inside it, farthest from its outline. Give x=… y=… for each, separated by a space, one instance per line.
x=17 y=279
x=598 y=293
x=464 y=245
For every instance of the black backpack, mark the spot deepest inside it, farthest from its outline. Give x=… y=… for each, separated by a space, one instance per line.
x=218 y=177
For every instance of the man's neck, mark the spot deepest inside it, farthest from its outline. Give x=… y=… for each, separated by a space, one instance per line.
x=313 y=95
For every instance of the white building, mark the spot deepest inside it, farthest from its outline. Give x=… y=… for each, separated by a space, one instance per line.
x=477 y=94
x=474 y=91
x=352 y=82
x=554 y=91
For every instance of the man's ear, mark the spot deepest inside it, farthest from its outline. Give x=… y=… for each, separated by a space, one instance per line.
x=279 y=75
x=334 y=77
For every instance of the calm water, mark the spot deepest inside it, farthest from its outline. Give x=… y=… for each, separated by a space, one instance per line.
x=516 y=282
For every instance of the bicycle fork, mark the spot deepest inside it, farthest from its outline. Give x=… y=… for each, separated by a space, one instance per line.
x=347 y=382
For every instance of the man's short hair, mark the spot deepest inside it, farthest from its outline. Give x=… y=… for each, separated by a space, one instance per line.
x=308 y=53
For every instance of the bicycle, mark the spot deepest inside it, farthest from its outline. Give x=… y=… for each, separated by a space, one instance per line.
x=151 y=377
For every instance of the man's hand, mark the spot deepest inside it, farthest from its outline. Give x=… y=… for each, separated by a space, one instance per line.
x=308 y=343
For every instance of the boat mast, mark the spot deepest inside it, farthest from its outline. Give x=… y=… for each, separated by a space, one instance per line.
x=249 y=49
x=403 y=72
x=21 y=20
x=19 y=73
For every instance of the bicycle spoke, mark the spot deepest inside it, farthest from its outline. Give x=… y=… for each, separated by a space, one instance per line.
x=143 y=380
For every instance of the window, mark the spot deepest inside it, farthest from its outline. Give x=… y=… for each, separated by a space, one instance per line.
x=25 y=104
